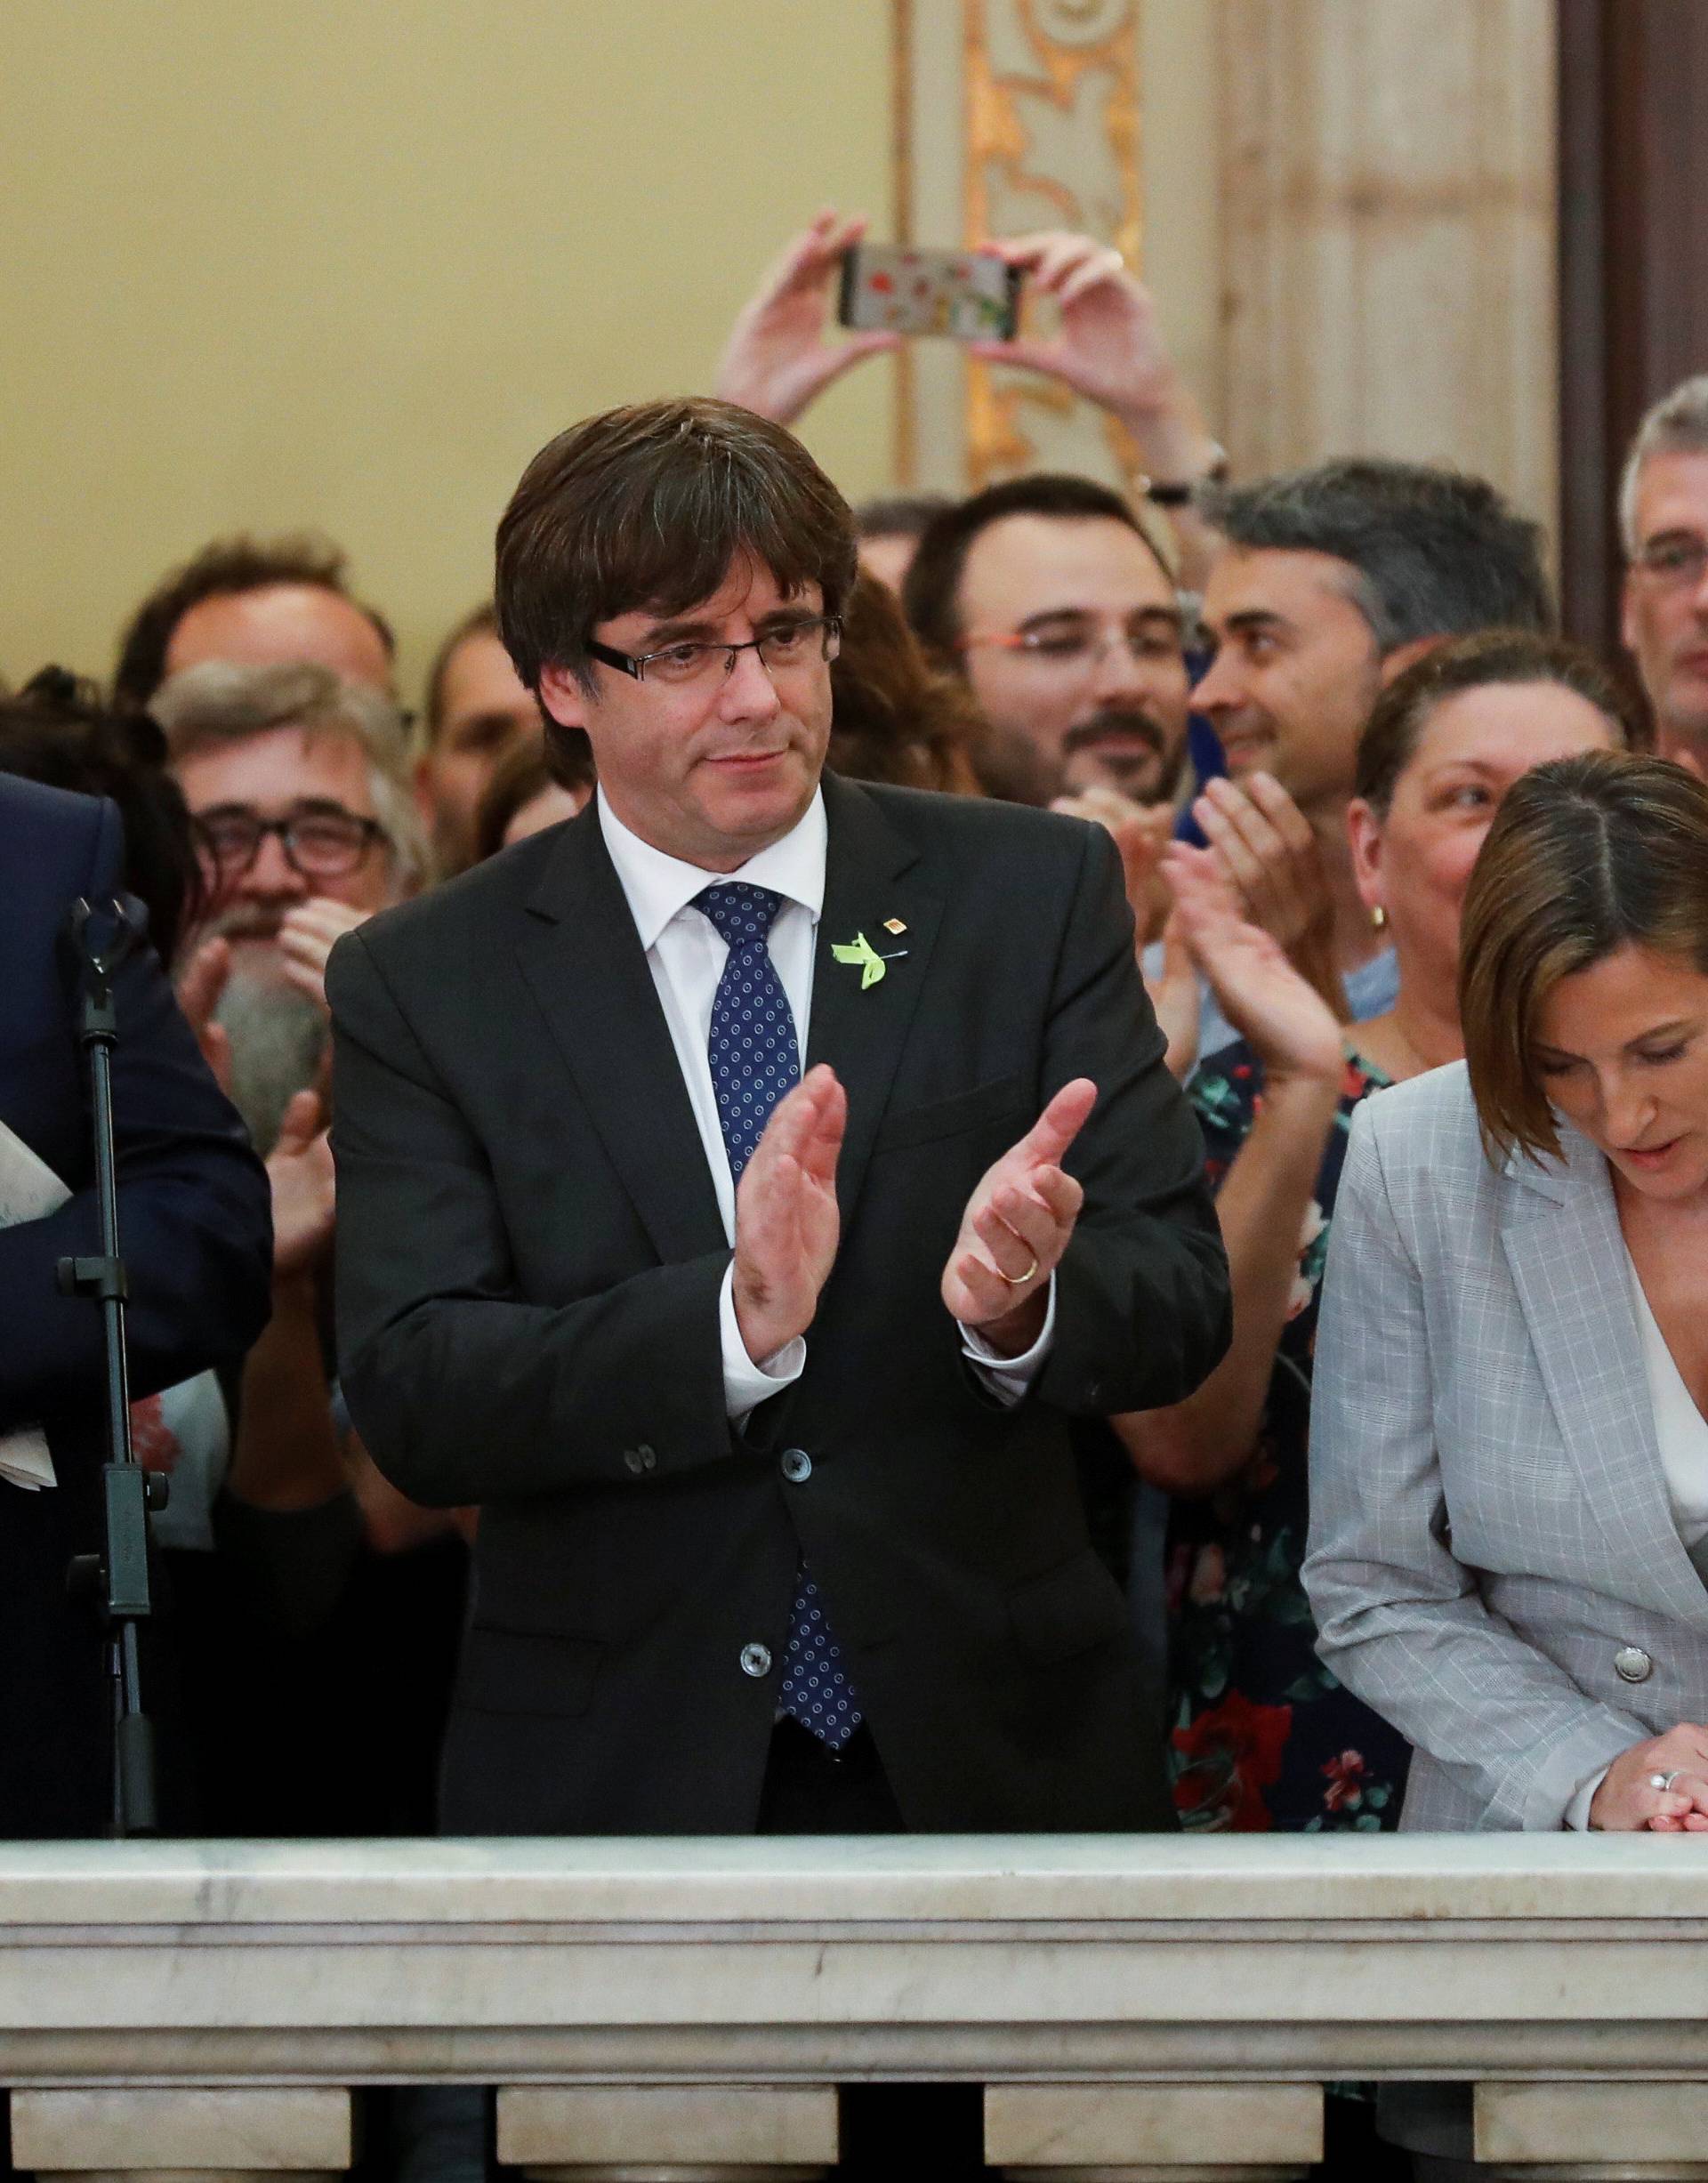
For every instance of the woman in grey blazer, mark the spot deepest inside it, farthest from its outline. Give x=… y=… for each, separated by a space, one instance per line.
x=1509 y=1454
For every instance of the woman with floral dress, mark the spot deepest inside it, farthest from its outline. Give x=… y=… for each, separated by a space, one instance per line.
x=1263 y=1735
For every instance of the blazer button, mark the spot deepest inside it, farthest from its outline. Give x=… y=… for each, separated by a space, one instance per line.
x=797 y=1465
x=634 y=1461
x=649 y=1456
x=755 y=1659
x=1633 y=1665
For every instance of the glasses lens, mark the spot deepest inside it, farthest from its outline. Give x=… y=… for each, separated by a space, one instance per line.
x=1677 y=561
x=231 y=840
x=326 y=845
x=684 y=663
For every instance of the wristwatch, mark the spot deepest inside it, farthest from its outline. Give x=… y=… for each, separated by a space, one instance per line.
x=1163 y=493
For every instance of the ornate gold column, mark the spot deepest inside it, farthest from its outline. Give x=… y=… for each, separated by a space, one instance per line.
x=1012 y=116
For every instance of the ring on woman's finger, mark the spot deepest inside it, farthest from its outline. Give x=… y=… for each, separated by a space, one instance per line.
x=1016 y=1281
x=1665 y=1781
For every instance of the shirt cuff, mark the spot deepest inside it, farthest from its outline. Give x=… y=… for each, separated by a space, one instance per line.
x=1009 y=1377
x=745 y=1384
x=1577 y=1812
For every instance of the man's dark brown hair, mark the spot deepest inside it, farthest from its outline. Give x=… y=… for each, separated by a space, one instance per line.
x=221 y=570
x=483 y=622
x=931 y=591
x=647 y=507
x=894 y=717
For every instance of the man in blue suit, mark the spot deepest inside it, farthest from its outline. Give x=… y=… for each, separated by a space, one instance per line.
x=195 y=1232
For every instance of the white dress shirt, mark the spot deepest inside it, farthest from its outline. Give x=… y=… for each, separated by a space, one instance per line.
x=686 y=954
x=1682 y=1432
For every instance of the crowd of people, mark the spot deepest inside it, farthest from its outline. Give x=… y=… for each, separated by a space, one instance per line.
x=1127 y=1257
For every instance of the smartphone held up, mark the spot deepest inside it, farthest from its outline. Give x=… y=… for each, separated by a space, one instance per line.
x=894 y=288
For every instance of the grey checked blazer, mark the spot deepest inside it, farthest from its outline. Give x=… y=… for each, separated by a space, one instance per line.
x=1490 y=1527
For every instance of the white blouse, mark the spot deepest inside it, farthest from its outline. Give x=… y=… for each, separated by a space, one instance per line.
x=1680 y=1427
x=1682 y=1431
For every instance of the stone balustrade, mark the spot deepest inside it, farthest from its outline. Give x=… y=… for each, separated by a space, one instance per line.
x=1134 y=2006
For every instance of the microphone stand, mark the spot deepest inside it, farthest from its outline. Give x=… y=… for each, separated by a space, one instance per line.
x=118 y=1577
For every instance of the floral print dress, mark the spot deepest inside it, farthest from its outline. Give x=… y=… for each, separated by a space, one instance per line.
x=1263 y=1736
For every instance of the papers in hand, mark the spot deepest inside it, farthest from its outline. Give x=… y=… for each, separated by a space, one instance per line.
x=30 y=1190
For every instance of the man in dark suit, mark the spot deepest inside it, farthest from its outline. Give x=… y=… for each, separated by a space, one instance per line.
x=196 y=1231
x=763 y=1378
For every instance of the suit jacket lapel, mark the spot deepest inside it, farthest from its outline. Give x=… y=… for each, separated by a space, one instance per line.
x=1560 y=1230
x=584 y=962
x=871 y=881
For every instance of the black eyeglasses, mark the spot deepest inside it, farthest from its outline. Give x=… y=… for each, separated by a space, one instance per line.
x=797 y=644
x=317 y=844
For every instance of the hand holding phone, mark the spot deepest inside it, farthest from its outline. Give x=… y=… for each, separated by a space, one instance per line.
x=964 y=295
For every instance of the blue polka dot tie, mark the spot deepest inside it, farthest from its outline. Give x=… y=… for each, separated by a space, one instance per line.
x=755 y=1060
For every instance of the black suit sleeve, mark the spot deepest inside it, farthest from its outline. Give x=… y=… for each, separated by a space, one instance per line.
x=461 y=1390
x=195 y=1218
x=1142 y=1299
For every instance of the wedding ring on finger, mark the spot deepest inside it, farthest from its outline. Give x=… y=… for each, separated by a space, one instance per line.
x=1018 y=1281
x=1665 y=1781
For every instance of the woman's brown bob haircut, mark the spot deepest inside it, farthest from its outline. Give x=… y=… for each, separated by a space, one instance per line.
x=1490 y=659
x=649 y=507
x=1587 y=856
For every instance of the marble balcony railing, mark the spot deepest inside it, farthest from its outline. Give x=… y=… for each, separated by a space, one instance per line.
x=1134 y=2006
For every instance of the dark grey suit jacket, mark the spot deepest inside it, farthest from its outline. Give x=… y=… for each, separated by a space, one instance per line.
x=530 y=1254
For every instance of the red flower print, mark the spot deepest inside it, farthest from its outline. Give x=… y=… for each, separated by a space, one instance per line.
x=1233 y=1751
x=153 y=1441
x=1346 y=1778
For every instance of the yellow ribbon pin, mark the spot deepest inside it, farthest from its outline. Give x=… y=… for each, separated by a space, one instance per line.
x=859 y=950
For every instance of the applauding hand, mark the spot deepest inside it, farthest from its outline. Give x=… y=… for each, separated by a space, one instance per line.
x=787 y=1225
x=1017 y=1224
x=1279 y=1013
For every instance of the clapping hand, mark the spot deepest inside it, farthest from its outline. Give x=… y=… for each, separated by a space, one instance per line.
x=1280 y=1014
x=1267 y=853
x=787 y=1225
x=776 y=359
x=1142 y=832
x=199 y=989
x=301 y=1175
x=307 y=935
x=1017 y=1222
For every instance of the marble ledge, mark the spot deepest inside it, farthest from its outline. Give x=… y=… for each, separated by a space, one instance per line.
x=933 y=1881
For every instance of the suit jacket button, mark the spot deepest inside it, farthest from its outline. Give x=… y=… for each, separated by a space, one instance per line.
x=755 y=1659
x=1633 y=1665
x=649 y=1456
x=797 y=1465
x=634 y=1459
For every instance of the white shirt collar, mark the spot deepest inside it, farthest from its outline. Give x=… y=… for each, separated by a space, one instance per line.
x=659 y=887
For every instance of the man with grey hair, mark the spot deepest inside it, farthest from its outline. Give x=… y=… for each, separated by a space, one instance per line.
x=1327 y=583
x=299 y=784
x=1664 y=612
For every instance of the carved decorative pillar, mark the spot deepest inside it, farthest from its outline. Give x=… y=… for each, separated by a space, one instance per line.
x=1010 y=115
x=1389 y=224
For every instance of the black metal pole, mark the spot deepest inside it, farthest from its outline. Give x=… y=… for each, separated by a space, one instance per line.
x=120 y=1573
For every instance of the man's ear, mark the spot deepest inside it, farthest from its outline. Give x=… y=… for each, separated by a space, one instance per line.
x=1627 y=613
x=1394 y=663
x=563 y=697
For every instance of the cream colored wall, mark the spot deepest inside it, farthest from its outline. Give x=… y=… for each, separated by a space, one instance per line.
x=350 y=265
x=1179 y=157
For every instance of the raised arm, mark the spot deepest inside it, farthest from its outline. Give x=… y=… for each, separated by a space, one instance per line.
x=1194 y=1445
